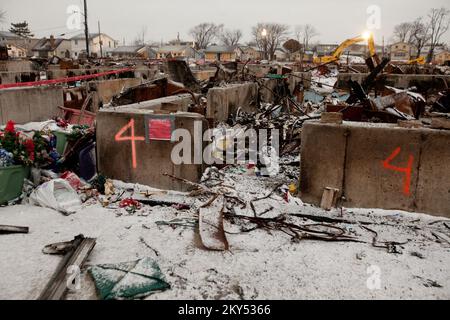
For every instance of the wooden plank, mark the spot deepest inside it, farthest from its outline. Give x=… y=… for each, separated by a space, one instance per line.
x=329 y=198
x=57 y=286
x=212 y=233
x=13 y=229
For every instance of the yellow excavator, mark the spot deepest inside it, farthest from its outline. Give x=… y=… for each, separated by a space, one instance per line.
x=419 y=61
x=367 y=36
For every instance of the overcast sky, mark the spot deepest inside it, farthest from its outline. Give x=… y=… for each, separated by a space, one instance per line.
x=335 y=20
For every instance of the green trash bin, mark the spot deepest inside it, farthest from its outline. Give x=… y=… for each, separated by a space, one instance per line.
x=11 y=182
x=61 y=141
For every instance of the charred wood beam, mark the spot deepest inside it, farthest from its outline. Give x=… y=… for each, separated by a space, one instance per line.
x=13 y=229
x=75 y=256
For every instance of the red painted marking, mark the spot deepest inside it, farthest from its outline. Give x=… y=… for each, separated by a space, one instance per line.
x=119 y=137
x=62 y=80
x=406 y=170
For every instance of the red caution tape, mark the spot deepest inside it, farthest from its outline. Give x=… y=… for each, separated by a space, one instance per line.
x=63 y=80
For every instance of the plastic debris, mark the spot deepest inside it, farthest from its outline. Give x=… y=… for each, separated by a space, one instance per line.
x=56 y=194
x=128 y=280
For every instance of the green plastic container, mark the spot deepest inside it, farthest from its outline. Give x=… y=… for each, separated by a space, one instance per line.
x=61 y=141
x=11 y=182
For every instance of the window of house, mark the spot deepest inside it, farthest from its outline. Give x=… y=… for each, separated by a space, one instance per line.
x=76 y=42
x=109 y=42
x=76 y=54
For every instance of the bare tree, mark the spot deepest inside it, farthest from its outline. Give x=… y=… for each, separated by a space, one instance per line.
x=231 y=38
x=292 y=46
x=2 y=15
x=268 y=37
x=439 y=22
x=418 y=35
x=205 y=33
x=402 y=32
x=304 y=34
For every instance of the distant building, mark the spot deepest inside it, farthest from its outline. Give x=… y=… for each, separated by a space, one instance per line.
x=221 y=53
x=177 y=51
x=47 y=48
x=325 y=49
x=281 y=55
x=98 y=43
x=16 y=51
x=9 y=38
x=251 y=53
x=442 y=58
x=401 y=51
x=308 y=56
x=134 y=52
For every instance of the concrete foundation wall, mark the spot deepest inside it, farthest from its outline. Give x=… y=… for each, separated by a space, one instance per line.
x=351 y=157
x=401 y=81
x=24 y=105
x=300 y=77
x=204 y=75
x=153 y=158
x=179 y=102
x=107 y=89
x=223 y=101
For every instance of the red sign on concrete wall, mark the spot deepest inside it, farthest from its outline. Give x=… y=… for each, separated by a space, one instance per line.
x=159 y=127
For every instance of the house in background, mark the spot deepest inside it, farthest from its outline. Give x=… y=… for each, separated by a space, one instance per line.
x=221 y=53
x=140 y=51
x=325 y=49
x=98 y=43
x=401 y=51
x=306 y=57
x=9 y=38
x=16 y=51
x=281 y=54
x=251 y=53
x=47 y=48
x=178 y=51
x=442 y=58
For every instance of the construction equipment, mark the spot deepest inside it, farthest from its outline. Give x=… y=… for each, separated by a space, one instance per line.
x=419 y=61
x=334 y=58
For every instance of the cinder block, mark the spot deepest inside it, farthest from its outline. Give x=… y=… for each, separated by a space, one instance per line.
x=377 y=166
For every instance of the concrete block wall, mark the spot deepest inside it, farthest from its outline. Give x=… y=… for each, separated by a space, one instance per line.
x=153 y=158
x=107 y=89
x=24 y=105
x=354 y=158
x=223 y=101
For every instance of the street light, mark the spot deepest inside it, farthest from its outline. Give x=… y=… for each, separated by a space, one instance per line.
x=264 y=32
x=366 y=35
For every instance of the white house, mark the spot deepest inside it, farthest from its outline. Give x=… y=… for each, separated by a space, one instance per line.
x=16 y=51
x=47 y=48
x=97 y=43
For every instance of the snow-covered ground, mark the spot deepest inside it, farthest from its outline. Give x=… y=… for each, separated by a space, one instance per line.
x=259 y=264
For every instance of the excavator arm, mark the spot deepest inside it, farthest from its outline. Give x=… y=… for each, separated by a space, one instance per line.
x=344 y=45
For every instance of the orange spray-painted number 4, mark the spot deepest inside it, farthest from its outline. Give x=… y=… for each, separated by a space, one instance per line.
x=120 y=137
x=405 y=170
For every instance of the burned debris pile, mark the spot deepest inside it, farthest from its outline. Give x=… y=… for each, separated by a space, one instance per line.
x=111 y=147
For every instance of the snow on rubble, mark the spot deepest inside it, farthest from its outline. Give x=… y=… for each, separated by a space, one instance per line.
x=279 y=248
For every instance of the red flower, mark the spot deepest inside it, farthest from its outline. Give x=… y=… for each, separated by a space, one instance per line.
x=29 y=145
x=10 y=127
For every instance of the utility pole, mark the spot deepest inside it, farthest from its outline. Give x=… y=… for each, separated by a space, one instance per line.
x=86 y=29
x=101 y=41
